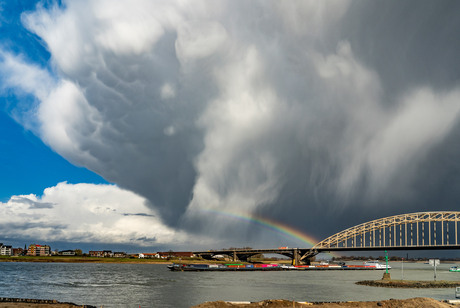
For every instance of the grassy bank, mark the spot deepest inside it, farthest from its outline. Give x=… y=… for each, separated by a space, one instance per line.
x=417 y=284
x=84 y=259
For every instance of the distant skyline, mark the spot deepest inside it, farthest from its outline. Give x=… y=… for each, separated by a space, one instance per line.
x=178 y=124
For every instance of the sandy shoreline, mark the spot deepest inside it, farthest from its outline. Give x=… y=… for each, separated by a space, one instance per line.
x=6 y=302
x=392 y=303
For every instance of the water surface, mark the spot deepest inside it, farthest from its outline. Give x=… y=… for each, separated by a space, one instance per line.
x=153 y=285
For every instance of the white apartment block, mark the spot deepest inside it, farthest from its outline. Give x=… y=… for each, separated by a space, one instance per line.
x=6 y=250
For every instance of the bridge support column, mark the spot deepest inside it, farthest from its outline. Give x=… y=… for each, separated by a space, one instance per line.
x=235 y=258
x=295 y=257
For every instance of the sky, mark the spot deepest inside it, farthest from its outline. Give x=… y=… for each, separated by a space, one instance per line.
x=150 y=125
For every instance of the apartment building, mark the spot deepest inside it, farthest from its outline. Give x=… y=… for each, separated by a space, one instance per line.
x=39 y=250
x=6 y=250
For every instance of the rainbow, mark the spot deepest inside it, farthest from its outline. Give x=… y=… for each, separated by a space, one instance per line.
x=268 y=224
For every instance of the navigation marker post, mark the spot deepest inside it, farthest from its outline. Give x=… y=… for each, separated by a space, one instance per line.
x=386 y=261
x=434 y=262
x=386 y=275
x=402 y=268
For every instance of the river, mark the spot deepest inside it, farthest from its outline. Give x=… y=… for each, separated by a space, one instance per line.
x=153 y=285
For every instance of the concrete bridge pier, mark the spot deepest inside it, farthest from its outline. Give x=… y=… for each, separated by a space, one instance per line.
x=295 y=257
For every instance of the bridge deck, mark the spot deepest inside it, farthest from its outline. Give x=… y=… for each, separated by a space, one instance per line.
x=250 y=251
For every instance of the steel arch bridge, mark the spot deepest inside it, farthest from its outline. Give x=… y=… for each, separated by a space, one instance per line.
x=414 y=231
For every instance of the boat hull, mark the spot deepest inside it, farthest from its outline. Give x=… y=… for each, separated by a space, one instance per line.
x=270 y=267
x=454 y=269
x=221 y=268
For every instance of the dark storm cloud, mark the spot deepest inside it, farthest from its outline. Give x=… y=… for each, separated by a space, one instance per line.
x=409 y=46
x=317 y=114
x=147 y=239
x=138 y=214
x=408 y=43
x=31 y=225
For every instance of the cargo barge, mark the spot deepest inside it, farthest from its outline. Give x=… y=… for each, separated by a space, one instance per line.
x=270 y=267
x=224 y=267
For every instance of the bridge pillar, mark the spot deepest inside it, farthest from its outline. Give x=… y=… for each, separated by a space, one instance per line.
x=235 y=258
x=295 y=257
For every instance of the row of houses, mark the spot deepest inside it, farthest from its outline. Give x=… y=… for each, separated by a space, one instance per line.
x=8 y=250
x=155 y=255
x=36 y=250
x=32 y=250
x=45 y=250
x=108 y=254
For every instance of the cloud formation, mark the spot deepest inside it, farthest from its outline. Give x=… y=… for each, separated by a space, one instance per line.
x=86 y=213
x=255 y=107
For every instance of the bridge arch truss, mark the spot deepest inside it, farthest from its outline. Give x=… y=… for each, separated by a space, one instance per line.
x=422 y=230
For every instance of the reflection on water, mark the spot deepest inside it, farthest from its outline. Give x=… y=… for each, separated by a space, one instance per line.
x=151 y=285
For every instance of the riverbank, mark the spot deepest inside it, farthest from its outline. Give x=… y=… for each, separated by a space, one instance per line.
x=392 y=303
x=417 y=284
x=84 y=259
x=6 y=302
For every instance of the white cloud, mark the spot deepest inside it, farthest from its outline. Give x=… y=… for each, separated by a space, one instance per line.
x=86 y=213
x=198 y=40
x=311 y=18
x=236 y=168
x=30 y=78
x=65 y=114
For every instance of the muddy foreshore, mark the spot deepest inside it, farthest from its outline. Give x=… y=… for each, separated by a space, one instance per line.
x=392 y=303
x=6 y=302
x=416 y=284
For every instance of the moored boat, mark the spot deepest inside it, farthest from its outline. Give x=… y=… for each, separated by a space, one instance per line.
x=454 y=269
x=223 y=267
x=376 y=264
x=272 y=267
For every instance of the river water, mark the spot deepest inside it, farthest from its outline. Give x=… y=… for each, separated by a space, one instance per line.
x=153 y=285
